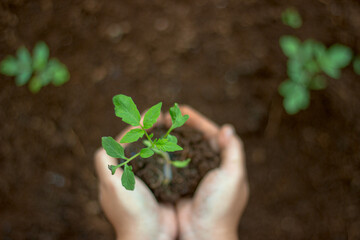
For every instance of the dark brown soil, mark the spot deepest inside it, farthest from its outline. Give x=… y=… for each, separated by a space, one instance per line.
x=184 y=180
x=220 y=56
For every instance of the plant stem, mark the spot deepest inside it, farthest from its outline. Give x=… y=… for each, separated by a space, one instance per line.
x=147 y=136
x=127 y=160
x=167 y=167
x=168 y=132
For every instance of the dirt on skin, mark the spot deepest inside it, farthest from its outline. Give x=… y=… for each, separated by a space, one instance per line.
x=220 y=56
x=183 y=180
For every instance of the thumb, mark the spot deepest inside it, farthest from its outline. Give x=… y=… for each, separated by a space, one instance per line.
x=183 y=213
x=232 y=152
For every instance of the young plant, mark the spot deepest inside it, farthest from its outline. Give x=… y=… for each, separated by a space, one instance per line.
x=291 y=17
x=39 y=69
x=305 y=67
x=126 y=109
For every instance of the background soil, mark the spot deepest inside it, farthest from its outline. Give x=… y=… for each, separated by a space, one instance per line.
x=220 y=56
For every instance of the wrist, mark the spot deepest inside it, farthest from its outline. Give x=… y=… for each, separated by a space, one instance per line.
x=198 y=234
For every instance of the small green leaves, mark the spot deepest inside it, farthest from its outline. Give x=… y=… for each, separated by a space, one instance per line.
x=40 y=56
x=128 y=178
x=167 y=146
x=112 y=168
x=38 y=68
x=307 y=61
x=290 y=45
x=112 y=147
x=146 y=153
x=177 y=119
x=60 y=73
x=336 y=57
x=172 y=138
x=181 y=164
x=133 y=135
x=339 y=55
x=296 y=97
x=126 y=109
x=356 y=65
x=291 y=17
x=147 y=143
x=9 y=66
x=152 y=115
x=35 y=84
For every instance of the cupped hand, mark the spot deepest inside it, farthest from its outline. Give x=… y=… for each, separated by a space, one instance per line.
x=134 y=214
x=219 y=201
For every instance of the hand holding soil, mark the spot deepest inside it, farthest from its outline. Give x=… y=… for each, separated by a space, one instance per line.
x=213 y=212
x=134 y=214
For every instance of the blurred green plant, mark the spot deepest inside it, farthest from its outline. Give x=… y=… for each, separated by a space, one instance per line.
x=307 y=63
x=38 y=69
x=291 y=17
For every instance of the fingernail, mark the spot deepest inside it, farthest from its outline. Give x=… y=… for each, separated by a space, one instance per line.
x=229 y=131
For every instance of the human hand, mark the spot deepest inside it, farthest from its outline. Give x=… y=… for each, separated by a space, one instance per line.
x=134 y=214
x=219 y=201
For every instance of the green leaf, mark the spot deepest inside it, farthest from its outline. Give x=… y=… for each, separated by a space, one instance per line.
x=9 y=66
x=112 y=168
x=297 y=100
x=112 y=147
x=177 y=119
x=296 y=71
x=146 y=152
x=152 y=115
x=128 y=178
x=126 y=109
x=356 y=65
x=336 y=57
x=147 y=143
x=172 y=138
x=286 y=88
x=330 y=69
x=339 y=55
x=40 y=56
x=318 y=83
x=61 y=75
x=24 y=66
x=181 y=164
x=35 y=84
x=22 y=78
x=308 y=50
x=289 y=45
x=133 y=135
x=151 y=135
x=291 y=17
x=166 y=146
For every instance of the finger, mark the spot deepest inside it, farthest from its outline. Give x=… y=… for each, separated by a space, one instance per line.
x=232 y=157
x=183 y=213
x=102 y=160
x=196 y=120
x=168 y=222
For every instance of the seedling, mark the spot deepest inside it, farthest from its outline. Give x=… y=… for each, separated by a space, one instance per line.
x=38 y=69
x=305 y=67
x=126 y=109
x=291 y=17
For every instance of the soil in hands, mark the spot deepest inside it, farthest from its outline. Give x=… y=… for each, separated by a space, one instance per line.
x=184 y=180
